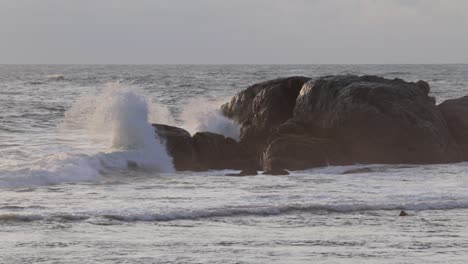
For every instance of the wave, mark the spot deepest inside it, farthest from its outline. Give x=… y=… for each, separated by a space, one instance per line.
x=280 y=210
x=72 y=168
x=35 y=82
x=56 y=77
x=239 y=211
x=19 y=218
x=111 y=130
x=117 y=119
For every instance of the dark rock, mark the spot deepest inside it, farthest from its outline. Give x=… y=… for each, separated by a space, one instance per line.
x=360 y=170
x=246 y=172
x=298 y=152
x=296 y=127
x=204 y=151
x=169 y=131
x=455 y=112
x=132 y=164
x=403 y=213
x=261 y=108
x=376 y=120
x=291 y=127
x=214 y=151
x=179 y=145
x=424 y=86
x=293 y=124
x=276 y=172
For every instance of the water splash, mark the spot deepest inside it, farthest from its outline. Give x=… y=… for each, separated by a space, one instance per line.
x=116 y=132
x=203 y=115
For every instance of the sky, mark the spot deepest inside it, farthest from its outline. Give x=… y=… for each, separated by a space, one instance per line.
x=233 y=31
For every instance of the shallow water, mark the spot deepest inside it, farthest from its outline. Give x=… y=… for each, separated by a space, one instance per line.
x=68 y=196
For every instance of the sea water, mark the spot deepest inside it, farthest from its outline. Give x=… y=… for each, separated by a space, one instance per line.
x=68 y=195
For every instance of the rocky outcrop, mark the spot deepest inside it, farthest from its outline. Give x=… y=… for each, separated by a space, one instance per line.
x=455 y=112
x=403 y=213
x=204 y=151
x=261 y=108
x=376 y=120
x=179 y=146
x=299 y=152
x=296 y=123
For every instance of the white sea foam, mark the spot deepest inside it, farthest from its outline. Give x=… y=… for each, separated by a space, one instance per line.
x=202 y=115
x=117 y=121
x=55 y=77
x=121 y=116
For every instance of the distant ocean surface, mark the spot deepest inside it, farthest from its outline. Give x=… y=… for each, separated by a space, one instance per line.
x=67 y=194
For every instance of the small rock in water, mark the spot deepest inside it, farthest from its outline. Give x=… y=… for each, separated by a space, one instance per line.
x=403 y=213
x=245 y=172
x=132 y=164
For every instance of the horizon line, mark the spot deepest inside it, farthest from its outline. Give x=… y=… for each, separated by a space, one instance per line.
x=233 y=64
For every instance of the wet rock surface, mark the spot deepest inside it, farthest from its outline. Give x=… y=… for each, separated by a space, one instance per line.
x=179 y=145
x=455 y=112
x=298 y=123
x=204 y=151
x=376 y=120
x=261 y=108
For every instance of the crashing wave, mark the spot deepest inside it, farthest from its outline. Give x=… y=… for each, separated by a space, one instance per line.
x=116 y=119
x=201 y=115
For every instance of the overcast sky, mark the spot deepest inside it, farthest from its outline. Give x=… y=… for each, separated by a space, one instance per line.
x=233 y=31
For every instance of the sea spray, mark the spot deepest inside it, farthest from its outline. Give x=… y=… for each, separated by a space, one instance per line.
x=161 y=114
x=203 y=115
x=119 y=114
x=114 y=124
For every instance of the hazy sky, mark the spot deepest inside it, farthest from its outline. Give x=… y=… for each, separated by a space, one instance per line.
x=233 y=31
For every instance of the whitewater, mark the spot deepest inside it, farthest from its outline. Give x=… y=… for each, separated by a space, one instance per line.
x=84 y=178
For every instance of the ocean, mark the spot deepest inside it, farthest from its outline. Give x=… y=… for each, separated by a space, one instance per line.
x=68 y=194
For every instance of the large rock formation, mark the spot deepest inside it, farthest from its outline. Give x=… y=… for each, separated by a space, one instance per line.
x=262 y=107
x=203 y=151
x=376 y=120
x=341 y=120
x=455 y=112
x=297 y=123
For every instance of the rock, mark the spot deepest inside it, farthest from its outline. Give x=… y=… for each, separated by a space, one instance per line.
x=204 y=151
x=214 y=151
x=291 y=127
x=360 y=170
x=455 y=112
x=132 y=164
x=299 y=152
x=246 y=172
x=261 y=108
x=276 y=172
x=179 y=145
x=424 y=86
x=295 y=123
x=403 y=213
x=377 y=120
